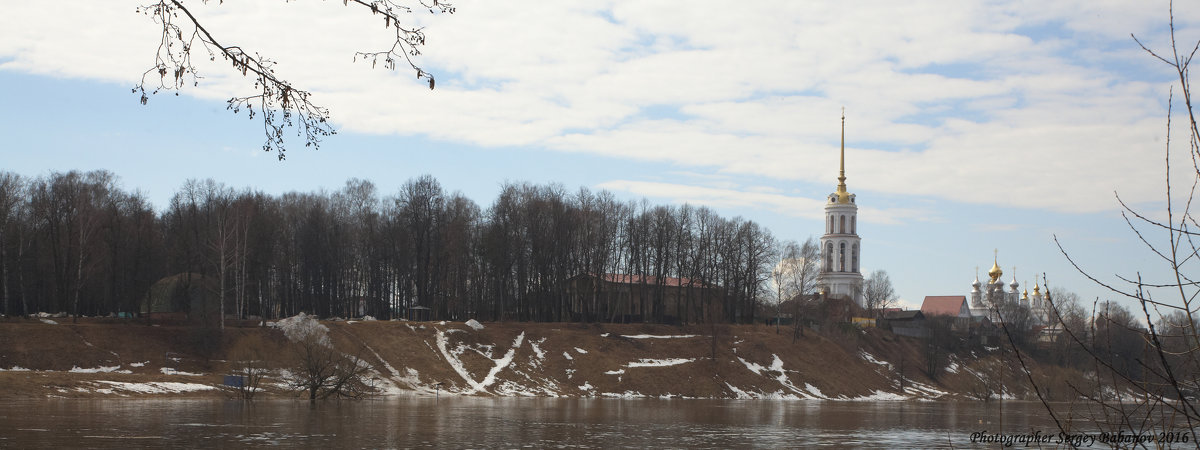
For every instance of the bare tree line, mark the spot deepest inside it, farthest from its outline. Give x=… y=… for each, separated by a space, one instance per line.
x=78 y=243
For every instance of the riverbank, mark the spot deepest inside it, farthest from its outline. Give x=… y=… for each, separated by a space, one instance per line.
x=127 y=358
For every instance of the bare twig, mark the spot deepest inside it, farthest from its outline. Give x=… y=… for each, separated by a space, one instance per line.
x=280 y=104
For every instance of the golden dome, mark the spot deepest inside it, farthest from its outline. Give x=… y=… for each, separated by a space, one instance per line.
x=995 y=272
x=1036 y=288
x=1025 y=295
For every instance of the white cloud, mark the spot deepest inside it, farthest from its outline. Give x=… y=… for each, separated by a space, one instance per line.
x=763 y=197
x=1042 y=106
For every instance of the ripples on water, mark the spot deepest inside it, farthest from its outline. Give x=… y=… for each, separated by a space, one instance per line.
x=506 y=423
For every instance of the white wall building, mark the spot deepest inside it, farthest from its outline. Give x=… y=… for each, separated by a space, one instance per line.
x=994 y=295
x=841 y=245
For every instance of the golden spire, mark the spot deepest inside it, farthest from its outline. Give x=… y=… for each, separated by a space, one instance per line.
x=995 y=271
x=843 y=196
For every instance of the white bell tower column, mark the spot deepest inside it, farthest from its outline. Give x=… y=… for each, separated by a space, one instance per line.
x=840 y=275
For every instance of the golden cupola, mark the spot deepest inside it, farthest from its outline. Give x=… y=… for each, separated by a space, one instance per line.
x=995 y=271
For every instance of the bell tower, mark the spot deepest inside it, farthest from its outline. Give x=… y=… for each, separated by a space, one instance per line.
x=840 y=275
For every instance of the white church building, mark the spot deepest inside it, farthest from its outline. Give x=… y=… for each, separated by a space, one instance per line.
x=840 y=245
x=993 y=294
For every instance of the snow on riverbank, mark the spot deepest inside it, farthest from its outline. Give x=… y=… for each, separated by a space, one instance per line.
x=644 y=362
x=452 y=357
x=807 y=392
x=170 y=371
x=153 y=387
x=101 y=369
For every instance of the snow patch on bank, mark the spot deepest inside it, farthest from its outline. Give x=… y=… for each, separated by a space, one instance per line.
x=154 y=387
x=657 y=336
x=871 y=359
x=387 y=383
x=807 y=392
x=813 y=390
x=879 y=396
x=101 y=369
x=644 y=362
x=625 y=395
x=301 y=327
x=539 y=355
x=452 y=357
x=170 y=371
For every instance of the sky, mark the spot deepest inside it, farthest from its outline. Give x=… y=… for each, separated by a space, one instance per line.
x=971 y=127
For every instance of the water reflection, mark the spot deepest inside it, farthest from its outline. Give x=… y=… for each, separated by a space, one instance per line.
x=506 y=422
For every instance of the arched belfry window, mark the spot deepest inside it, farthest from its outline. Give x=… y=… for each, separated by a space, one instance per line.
x=852 y=221
x=829 y=254
x=830 y=231
x=842 y=223
x=842 y=257
x=854 y=261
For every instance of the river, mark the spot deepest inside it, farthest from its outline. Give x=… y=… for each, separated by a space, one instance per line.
x=472 y=422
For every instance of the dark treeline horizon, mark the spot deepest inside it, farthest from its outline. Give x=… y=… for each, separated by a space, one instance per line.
x=77 y=242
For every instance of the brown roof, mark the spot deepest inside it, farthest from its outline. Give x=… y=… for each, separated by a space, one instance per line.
x=911 y=314
x=944 y=305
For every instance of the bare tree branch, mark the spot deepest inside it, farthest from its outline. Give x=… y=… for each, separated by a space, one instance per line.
x=280 y=104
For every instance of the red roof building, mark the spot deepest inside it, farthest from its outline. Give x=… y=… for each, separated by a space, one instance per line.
x=946 y=305
x=616 y=297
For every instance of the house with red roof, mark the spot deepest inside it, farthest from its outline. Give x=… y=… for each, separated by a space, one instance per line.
x=955 y=306
x=946 y=305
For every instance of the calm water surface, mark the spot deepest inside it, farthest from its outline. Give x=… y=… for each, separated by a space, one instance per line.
x=506 y=423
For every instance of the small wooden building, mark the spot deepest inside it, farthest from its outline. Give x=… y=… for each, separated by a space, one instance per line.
x=418 y=313
x=909 y=323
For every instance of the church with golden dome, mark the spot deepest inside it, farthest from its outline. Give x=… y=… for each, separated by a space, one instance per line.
x=985 y=301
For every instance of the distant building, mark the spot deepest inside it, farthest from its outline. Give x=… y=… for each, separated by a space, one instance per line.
x=984 y=302
x=954 y=306
x=909 y=323
x=946 y=305
x=840 y=275
x=632 y=298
